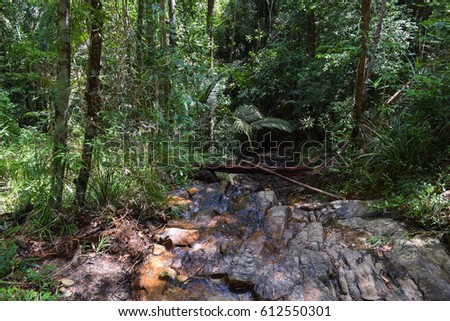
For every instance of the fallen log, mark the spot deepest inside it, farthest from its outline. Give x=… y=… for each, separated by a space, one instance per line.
x=247 y=169
x=293 y=180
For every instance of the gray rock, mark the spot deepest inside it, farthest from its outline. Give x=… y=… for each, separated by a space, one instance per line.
x=315 y=232
x=275 y=221
x=353 y=208
x=427 y=263
x=277 y=280
x=265 y=200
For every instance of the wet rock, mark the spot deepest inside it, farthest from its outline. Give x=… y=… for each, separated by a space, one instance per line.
x=179 y=237
x=265 y=200
x=182 y=278
x=224 y=185
x=278 y=280
x=158 y=249
x=245 y=264
x=307 y=207
x=204 y=289
x=148 y=285
x=319 y=251
x=239 y=202
x=192 y=191
x=168 y=273
x=275 y=220
x=178 y=201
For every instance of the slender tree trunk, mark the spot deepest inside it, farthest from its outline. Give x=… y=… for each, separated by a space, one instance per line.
x=376 y=40
x=270 y=14
x=150 y=26
x=139 y=33
x=233 y=30
x=361 y=73
x=311 y=33
x=61 y=103
x=210 y=30
x=422 y=11
x=164 y=92
x=173 y=23
x=162 y=22
x=150 y=20
x=93 y=100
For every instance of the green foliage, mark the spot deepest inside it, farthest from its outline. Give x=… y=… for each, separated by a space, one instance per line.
x=294 y=63
x=248 y=119
x=9 y=128
x=421 y=203
x=8 y=261
x=378 y=240
x=39 y=284
x=108 y=188
x=17 y=294
x=404 y=147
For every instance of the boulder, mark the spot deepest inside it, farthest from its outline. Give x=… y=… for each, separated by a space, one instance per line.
x=265 y=200
x=179 y=237
x=149 y=285
x=275 y=220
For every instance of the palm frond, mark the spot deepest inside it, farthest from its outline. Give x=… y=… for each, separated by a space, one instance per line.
x=204 y=95
x=248 y=113
x=272 y=123
x=243 y=127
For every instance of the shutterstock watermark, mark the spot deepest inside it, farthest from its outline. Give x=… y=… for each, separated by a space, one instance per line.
x=267 y=151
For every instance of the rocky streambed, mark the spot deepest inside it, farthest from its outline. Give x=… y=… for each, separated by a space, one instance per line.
x=235 y=242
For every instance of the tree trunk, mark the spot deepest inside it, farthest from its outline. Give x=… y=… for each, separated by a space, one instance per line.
x=210 y=30
x=151 y=85
x=361 y=73
x=270 y=14
x=233 y=30
x=139 y=34
x=150 y=28
x=311 y=33
x=61 y=103
x=173 y=23
x=162 y=22
x=93 y=100
x=376 y=40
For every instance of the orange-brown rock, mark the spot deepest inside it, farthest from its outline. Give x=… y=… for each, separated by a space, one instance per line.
x=148 y=284
x=179 y=237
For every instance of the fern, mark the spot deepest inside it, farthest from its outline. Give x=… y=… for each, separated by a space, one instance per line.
x=272 y=123
x=248 y=113
x=248 y=118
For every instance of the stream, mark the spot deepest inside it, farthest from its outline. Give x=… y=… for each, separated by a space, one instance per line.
x=248 y=240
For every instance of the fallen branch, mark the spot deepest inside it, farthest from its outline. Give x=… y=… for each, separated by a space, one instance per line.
x=394 y=96
x=245 y=169
x=292 y=180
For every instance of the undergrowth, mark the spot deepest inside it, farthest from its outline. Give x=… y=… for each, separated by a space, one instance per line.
x=22 y=279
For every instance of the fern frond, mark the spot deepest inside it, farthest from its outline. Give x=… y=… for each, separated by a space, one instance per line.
x=248 y=113
x=272 y=123
x=243 y=127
